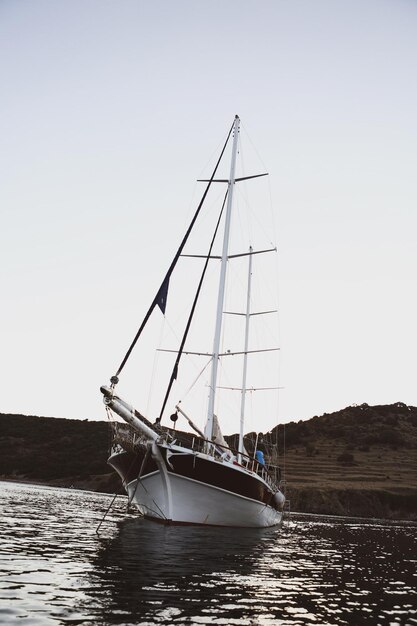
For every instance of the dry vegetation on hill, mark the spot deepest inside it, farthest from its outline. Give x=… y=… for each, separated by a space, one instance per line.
x=360 y=461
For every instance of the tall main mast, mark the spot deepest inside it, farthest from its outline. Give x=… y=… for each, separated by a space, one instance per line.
x=245 y=359
x=222 y=283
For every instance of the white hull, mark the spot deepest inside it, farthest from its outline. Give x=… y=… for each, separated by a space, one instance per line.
x=174 y=499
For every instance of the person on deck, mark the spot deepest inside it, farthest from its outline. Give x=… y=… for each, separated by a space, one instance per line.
x=259 y=456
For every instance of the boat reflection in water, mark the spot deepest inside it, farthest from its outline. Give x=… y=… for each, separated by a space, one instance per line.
x=185 y=571
x=311 y=571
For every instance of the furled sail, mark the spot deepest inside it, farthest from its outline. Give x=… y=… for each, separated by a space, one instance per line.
x=217 y=433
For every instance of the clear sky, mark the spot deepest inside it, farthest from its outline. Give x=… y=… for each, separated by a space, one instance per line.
x=109 y=111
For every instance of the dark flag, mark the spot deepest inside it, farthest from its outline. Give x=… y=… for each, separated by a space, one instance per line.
x=162 y=295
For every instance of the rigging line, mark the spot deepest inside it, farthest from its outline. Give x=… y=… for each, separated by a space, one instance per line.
x=196 y=186
x=187 y=391
x=274 y=227
x=244 y=194
x=230 y=402
x=105 y=514
x=253 y=147
x=190 y=318
x=164 y=283
x=247 y=216
x=155 y=503
x=210 y=159
x=142 y=467
x=154 y=366
x=193 y=361
x=162 y=516
x=109 y=415
x=253 y=220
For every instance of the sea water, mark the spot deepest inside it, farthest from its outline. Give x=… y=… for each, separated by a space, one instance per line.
x=55 y=568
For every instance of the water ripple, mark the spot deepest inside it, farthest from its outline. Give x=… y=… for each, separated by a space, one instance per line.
x=54 y=569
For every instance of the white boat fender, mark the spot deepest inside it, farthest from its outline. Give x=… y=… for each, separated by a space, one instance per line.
x=279 y=498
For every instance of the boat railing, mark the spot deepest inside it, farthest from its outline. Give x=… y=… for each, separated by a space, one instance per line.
x=269 y=473
x=128 y=438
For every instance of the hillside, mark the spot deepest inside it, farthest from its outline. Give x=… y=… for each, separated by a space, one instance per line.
x=361 y=460
x=57 y=451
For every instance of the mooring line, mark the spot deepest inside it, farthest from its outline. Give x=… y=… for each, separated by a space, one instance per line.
x=104 y=517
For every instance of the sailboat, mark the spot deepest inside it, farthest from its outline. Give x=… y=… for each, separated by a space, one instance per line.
x=176 y=477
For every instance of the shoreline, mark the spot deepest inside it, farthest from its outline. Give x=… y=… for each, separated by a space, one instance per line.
x=348 y=502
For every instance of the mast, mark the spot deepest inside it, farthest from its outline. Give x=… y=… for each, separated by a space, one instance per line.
x=222 y=284
x=245 y=359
